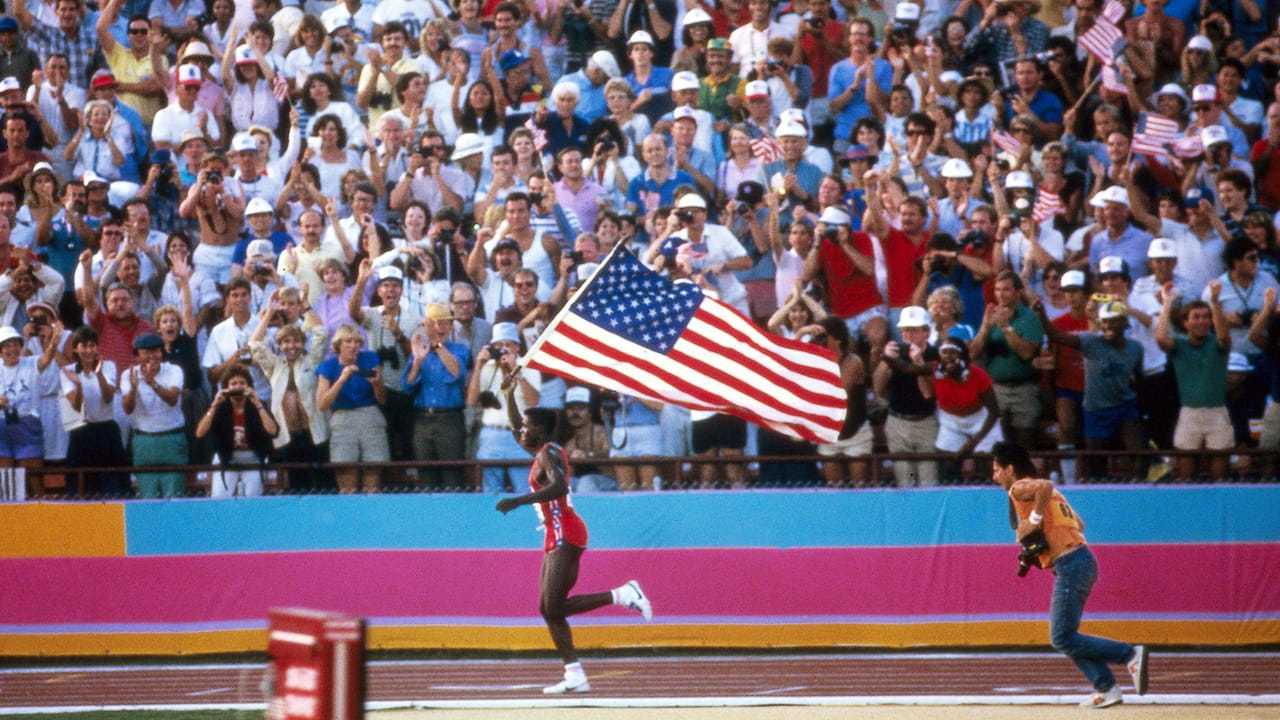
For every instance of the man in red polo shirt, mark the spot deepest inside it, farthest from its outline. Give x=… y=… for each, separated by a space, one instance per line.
x=847 y=263
x=118 y=324
x=903 y=247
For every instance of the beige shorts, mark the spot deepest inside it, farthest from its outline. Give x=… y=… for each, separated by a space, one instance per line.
x=1019 y=404
x=1203 y=429
x=1271 y=427
x=859 y=445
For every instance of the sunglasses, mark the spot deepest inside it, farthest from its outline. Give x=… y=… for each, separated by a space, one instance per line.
x=138 y=31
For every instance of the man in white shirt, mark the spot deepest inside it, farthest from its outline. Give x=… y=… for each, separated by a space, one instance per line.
x=184 y=114
x=229 y=340
x=151 y=392
x=716 y=253
x=750 y=42
x=58 y=100
x=253 y=178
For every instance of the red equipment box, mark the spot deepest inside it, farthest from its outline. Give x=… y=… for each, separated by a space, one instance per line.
x=317 y=665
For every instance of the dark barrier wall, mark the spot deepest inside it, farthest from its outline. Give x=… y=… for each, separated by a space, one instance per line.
x=1187 y=565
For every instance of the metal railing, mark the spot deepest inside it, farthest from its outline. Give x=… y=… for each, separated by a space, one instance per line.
x=677 y=473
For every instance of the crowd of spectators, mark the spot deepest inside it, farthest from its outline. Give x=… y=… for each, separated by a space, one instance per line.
x=243 y=232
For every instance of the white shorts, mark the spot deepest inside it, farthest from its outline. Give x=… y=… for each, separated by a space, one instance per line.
x=214 y=261
x=956 y=430
x=857 y=446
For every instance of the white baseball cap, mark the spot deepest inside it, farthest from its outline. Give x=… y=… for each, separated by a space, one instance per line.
x=604 y=60
x=834 y=216
x=258 y=206
x=1200 y=42
x=390 y=272
x=907 y=12
x=684 y=80
x=1072 y=278
x=695 y=16
x=577 y=394
x=244 y=142
x=913 y=316
x=1019 y=179
x=466 y=145
x=1213 y=135
x=692 y=200
x=755 y=89
x=10 y=83
x=245 y=56
x=791 y=129
x=1204 y=93
x=505 y=332
x=957 y=168
x=1113 y=265
x=190 y=75
x=260 y=248
x=684 y=112
x=1114 y=193
x=640 y=36
x=1161 y=248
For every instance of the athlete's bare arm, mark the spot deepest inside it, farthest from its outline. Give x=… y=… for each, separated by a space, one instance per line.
x=550 y=475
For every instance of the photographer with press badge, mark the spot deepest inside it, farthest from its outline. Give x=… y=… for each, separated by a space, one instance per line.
x=1051 y=534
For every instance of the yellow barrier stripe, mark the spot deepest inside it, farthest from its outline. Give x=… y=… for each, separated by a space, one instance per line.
x=39 y=529
x=526 y=638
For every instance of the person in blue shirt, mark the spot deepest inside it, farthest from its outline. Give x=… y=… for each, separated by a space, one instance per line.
x=590 y=81
x=800 y=178
x=656 y=186
x=651 y=83
x=350 y=386
x=847 y=81
x=1030 y=99
x=436 y=379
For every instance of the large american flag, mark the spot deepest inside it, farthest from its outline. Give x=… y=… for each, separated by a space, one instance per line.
x=632 y=330
x=1155 y=134
x=1047 y=205
x=1100 y=40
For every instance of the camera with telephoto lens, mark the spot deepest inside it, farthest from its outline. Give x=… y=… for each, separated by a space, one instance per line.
x=1033 y=545
x=390 y=357
x=489 y=400
x=685 y=215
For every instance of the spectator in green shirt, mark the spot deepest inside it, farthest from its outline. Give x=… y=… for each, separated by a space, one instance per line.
x=1007 y=342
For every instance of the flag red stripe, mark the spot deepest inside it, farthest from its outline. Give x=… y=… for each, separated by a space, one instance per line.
x=703 y=365
x=620 y=377
x=684 y=380
x=796 y=358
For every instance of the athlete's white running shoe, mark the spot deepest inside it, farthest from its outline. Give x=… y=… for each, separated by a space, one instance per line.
x=631 y=596
x=572 y=683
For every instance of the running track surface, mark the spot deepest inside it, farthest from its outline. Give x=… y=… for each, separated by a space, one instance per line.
x=761 y=679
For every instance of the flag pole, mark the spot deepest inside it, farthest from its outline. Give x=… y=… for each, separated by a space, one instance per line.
x=564 y=311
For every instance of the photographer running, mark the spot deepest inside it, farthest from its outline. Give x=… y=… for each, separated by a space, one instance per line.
x=1041 y=510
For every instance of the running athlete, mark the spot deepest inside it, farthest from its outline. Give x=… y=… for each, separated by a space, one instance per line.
x=565 y=541
x=1040 y=506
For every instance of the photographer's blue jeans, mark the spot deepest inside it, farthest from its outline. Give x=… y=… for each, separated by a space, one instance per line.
x=1075 y=573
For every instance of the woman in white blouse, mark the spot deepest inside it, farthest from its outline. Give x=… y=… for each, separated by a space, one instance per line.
x=88 y=388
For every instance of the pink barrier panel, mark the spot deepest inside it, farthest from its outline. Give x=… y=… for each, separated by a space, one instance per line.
x=1195 y=581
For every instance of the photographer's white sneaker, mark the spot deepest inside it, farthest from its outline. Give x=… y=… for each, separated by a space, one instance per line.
x=572 y=683
x=1101 y=700
x=1137 y=667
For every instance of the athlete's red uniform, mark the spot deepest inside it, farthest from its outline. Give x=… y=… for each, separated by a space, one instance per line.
x=559 y=521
